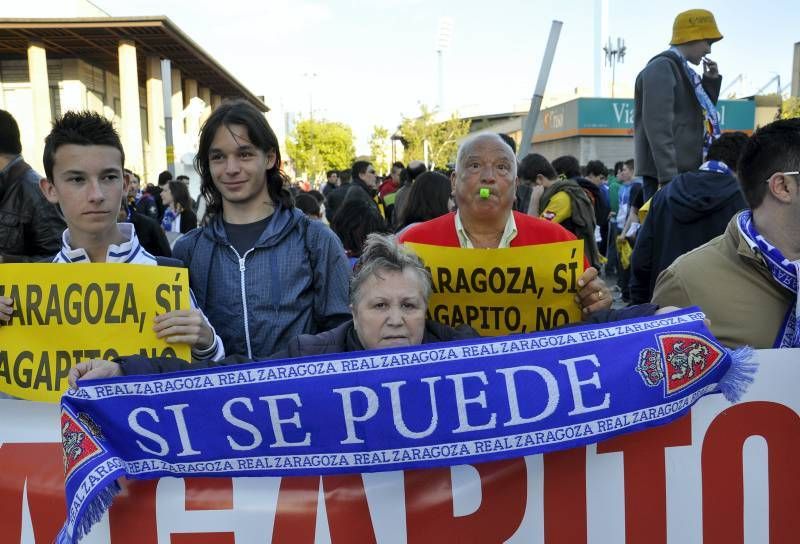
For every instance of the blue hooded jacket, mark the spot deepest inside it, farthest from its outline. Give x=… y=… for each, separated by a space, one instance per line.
x=294 y=281
x=685 y=214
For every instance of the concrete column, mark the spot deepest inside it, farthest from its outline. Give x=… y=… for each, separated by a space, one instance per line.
x=108 y=101
x=131 y=124
x=156 y=132
x=73 y=90
x=193 y=111
x=40 y=92
x=205 y=96
x=178 y=114
x=216 y=100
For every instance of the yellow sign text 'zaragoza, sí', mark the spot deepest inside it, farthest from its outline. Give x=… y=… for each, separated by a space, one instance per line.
x=65 y=314
x=504 y=291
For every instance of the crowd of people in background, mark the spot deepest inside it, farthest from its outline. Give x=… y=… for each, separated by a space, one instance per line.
x=704 y=219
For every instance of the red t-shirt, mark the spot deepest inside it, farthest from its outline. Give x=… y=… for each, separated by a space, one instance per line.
x=531 y=231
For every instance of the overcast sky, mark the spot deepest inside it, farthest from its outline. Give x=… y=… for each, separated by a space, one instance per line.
x=367 y=62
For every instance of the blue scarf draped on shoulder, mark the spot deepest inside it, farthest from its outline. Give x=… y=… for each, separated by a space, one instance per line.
x=469 y=401
x=710 y=113
x=784 y=271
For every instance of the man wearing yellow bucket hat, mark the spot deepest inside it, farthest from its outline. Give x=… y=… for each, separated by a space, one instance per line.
x=675 y=118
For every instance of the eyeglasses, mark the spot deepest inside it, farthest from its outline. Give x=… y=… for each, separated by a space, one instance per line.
x=784 y=174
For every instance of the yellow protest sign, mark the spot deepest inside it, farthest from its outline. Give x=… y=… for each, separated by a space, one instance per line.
x=504 y=291
x=65 y=314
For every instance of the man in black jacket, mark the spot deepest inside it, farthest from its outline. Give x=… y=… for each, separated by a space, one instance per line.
x=686 y=213
x=363 y=187
x=30 y=226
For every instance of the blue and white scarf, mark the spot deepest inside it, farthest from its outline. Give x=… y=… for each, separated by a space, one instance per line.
x=441 y=404
x=168 y=219
x=785 y=273
x=710 y=113
x=716 y=166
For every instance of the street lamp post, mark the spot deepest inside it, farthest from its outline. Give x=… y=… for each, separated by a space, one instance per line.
x=443 y=37
x=310 y=76
x=614 y=54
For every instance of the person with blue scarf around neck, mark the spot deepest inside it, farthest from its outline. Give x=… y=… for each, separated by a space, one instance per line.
x=675 y=115
x=746 y=279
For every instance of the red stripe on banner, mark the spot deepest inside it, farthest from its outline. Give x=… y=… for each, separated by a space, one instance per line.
x=202 y=538
x=349 y=519
x=209 y=493
x=723 y=487
x=346 y=507
x=429 y=505
x=645 y=477
x=565 y=497
x=41 y=466
x=296 y=515
x=132 y=518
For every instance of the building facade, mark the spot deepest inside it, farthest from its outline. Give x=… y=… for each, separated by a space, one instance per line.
x=143 y=73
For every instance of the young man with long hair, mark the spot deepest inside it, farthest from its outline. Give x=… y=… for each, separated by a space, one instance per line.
x=262 y=271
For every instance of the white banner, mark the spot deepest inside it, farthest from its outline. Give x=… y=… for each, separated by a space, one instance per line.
x=729 y=473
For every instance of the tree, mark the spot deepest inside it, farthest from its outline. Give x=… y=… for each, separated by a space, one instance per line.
x=317 y=146
x=378 y=142
x=442 y=137
x=791 y=108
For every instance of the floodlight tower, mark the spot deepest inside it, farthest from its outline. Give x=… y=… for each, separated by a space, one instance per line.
x=614 y=54
x=443 y=37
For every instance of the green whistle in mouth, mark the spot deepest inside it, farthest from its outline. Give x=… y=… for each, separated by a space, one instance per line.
x=485 y=193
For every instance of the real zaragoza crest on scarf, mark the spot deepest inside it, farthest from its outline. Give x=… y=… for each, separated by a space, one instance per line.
x=680 y=361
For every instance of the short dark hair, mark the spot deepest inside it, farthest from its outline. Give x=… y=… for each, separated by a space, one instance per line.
x=727 y=148
x=180 y=193
x=630 y=164
x=618 y=167
x=316 y=194
x=398 y=164
x=359 y=167
x=596 y=168
x=10 y=143
x=772 y=148
x=259 y=133
x=354 y=220
x=427 y=199
x=164 y=177
x=534 y=164
x=307 y=204
x=182 y=177
x=567 y=166
x=345 y=177
x=79 y=128
x=509 y=140
x=329 y=173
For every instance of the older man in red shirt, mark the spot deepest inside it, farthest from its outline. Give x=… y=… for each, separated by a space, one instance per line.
x=484 y=188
